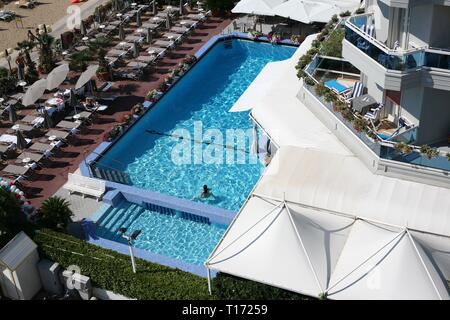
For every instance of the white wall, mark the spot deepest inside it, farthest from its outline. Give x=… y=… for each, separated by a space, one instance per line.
x=420 y=25
x=435 y=116
x=382 y=15
x=411 y=103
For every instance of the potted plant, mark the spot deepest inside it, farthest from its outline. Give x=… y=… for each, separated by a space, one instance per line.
x=320 y=89
x=46 y=56
x=403 y=148
x=55 y=213
x=103 y=71
x=360 y=124
x=152 y=96
x=429 y=152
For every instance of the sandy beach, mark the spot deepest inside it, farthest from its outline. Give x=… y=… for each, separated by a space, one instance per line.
x=45 y=12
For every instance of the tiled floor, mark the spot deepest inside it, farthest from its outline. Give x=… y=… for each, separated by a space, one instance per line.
x=53 y=175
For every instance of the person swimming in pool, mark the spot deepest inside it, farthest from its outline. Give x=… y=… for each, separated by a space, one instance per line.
x=206 y=193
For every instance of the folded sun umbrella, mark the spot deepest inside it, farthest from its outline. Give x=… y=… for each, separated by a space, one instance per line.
x=12 y=114
x=83 y=28
x=138 y=18
x=135 y=50
x=34 y=92
x=48 y=123
x=57 y=76
x=167 y=21
x=21 y=142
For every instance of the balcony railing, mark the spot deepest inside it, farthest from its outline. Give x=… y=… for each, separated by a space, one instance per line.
x=400 y=60
x=384 y=149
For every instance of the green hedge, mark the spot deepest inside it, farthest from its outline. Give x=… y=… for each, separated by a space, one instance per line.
x=112 y=271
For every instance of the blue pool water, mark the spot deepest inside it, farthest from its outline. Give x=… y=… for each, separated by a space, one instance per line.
x=203 y=96
x=164 y=234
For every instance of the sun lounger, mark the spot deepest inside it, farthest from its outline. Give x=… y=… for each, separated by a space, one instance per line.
x=16 y=170
x=36 y=157
x=22 y=127
x=43 y=148
x=132 y=38
x=146 y=59
x=59 y=135
x=155 y=50
x=68 y=125
x=179 y=30
x=85 y=185
x=116 y=53
x=9 y=138
x=33 y=120
x=150 y=25
x=137 y=64
x=163 y=44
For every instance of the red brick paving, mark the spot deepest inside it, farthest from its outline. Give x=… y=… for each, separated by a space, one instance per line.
x=53 y=175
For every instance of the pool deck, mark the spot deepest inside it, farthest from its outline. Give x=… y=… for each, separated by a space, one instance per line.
x=50 y=178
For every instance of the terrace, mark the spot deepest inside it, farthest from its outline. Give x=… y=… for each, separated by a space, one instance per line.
x=360 y=31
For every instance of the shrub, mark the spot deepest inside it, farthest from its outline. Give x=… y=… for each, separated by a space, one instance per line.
x=55 y=213
x=360 y=124
x=320 y=89
x=429 y=152
x=448 y=156
x=11 y=217
x=345 y=14
x=333 y=45
x=403 y=148
x=360 y=10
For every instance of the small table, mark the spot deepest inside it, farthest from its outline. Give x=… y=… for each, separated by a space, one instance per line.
x=102 y=26
x=152 y=52
x=52 y=138
x=15 y=127
x=76 y=117
x=363 y=104
x=21 y=83
x=26 y=160
x=156 y=18
x=119 y=15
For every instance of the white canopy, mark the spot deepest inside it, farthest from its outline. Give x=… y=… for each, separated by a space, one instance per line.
x=292 y=235
x=258 y=7
x=57 y=76
x=86 y=76
x=34 y=92
x=306 y=11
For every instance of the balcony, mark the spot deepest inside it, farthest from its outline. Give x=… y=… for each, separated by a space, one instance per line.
x=393 y=59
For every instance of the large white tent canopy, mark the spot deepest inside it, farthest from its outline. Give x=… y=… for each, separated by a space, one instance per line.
x=306 y=11
x=320 y=223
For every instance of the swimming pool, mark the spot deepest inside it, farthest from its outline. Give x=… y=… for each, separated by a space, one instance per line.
x=166 y=232
x=198 y=103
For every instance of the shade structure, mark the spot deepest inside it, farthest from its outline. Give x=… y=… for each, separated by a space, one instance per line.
x=168 y=22
x=86 y=76
x=180 y=8
x=138 y=18
x=259 y=7
x=306 y=11
x=121 y=32
x=48 y=122
x=57 y=76
x=34 y=92
x=299 y=231
x=83 y=30
x=135 y=50
x=149 y=35
x=12 y=114
x=21 y=141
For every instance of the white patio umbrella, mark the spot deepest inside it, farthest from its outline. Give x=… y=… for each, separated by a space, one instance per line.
x=86 y=76
x=259 y=7
x=309 y=11
x=34 y=92
x=57 y=76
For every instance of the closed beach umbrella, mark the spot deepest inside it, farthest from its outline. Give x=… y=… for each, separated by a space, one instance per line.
x=57 y=76
x=138 y=18
x=83 y=30
x=181 y=7
x=154 y=7
x=21 y=142
x=20 y=72
x=34 y=92
x=149 y=35
x=121 y=32
x=48 y=123
x=167 y=21
x=12 y=114
x=86 y=76
x=73 y=101
x=135 y=50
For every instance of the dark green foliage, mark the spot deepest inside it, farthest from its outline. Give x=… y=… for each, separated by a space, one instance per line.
x=7 y=82
x=54 y=213
x=11 y=217
x=79 y=61
x=333 y=45
x=227 y=287
x=219 y=5
x=112 y=271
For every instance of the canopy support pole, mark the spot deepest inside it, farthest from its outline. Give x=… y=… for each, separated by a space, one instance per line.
x=209 y=280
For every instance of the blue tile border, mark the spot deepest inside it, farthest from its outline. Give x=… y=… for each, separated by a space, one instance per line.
x=90 y=227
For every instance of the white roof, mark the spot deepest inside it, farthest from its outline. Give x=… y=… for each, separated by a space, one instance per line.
x=307 y=248
x=275 y=106
x=16 y=250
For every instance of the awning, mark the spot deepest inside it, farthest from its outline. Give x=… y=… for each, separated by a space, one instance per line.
x=299 y=231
